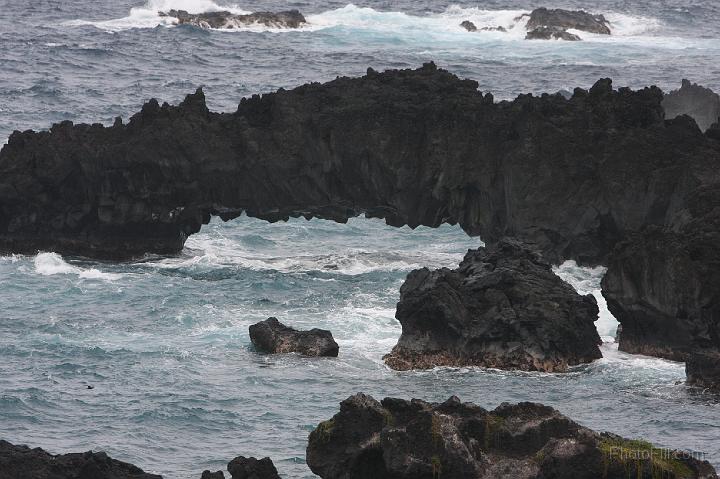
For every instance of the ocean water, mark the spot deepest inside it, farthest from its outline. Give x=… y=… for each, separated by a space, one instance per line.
x=163 y=341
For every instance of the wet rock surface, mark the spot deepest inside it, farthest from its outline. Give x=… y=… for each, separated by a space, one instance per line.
x=503 y=307
x=702 y=104
x=21 y=462
x=271 y=336
x=415 y=439
x=228 y=20
x=568 y=19
x=703 y=369
x=551 y=33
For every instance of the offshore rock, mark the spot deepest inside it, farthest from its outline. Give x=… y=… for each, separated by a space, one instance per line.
x=252 y=468
x=502 y=308
x=574 y=177
x=703 y=369
x=470 y=27
x=228 y=20
x=21 y=462
x=702 y=104
x=568 y=19
x=551 y=33
x=399 y=439
x=271 y=336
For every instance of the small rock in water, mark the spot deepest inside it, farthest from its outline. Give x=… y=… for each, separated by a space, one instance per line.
x=271 y=336
x=212 y=475
x=469 y=26
x=252 y=468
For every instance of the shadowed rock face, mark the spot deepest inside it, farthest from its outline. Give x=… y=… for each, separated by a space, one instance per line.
x=502 y=308
x=568 y=19
x=399 y=439
x=21 y=462
x=703 y=369
x=271 y=336
x=572 y=177
x=228 y=20
x=702 y=104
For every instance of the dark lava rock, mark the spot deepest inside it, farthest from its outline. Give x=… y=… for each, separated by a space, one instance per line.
x=502 y=308
x=228 y=20
x=702 y=104
x=469 y=26
x=703 y=369
x=551 y=33
x=212 y=475
x=21 y=462
x=568 y=19
x=574 y=177
x=399 y=439
x=251 y=468
x=271 y=336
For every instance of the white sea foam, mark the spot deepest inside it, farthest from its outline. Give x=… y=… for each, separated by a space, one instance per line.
x=49 y=264
x=368 y=19
x=587 y=281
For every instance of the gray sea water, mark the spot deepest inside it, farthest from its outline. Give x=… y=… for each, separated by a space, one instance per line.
x=164 y=342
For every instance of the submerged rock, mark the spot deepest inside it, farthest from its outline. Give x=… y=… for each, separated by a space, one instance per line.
x=251 y=468
x=551 y=33
x=228 y=20
x=568 y=19
x=703 y=369
x=470 y=27
x=271 y=336
x=21 y=462
x=503 y=307
x=702 y=104
x=415 y=439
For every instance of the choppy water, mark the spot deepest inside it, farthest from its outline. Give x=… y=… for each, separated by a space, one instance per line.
x=164 y=342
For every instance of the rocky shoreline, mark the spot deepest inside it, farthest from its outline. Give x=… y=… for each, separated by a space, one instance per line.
x=401 y=439
x=601 y=177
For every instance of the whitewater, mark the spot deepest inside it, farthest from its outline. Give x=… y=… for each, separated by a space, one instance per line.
x=163 y=341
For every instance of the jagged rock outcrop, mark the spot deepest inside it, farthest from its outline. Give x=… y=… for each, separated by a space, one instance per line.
x=415 y=439
x=271 y=336
x=21 y=462
x=551 y=33
x=574 y=177
x=568 y=19
x=702 y=104
x=703 y=369
x=228 y=20
x=503 y=307
x=553 y=24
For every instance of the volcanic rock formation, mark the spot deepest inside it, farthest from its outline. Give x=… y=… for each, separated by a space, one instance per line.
x=228 y=20
x=545 y=24
x=702 y=104
x=703 y=369
x=502 y=308
x=573 y=177
x=402 y=439
x=271 y=336
x=21 y=462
